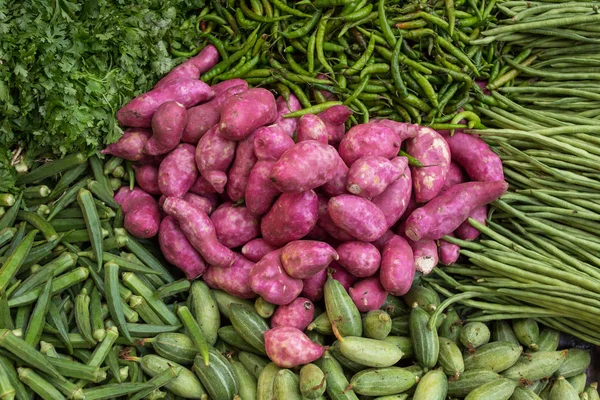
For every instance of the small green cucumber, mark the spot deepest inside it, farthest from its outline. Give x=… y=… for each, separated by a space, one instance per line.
x=337 y=383
x=218 y=378
x=394 y=306
x=382 y=381
x=264 y=308
x=370 y=352
x=416 y=370
x=527 y=331
x=500 y=389
x=343 y=360
x=403 y=343
x=402 y=396
x=285 y=386
x=502 y=332
x=424 y=297
x=536 y=366
x=576 y=362
x=248 y=324
x=205 y=310
x=562 y=390
x=578 y=382
x=316 y=337
x=432 y=386
x=400 y=325
x=254 y=363
x=266 y=380
x=495 y=356
x=341 y=310
x=176 y=347
x=470 y=380
x=592 y=391
x=225 y=300
x=186 y=384
x=321 y=324
x=246 y=381
x=229 y=335
x=548 y=339
x=377 y=324
x=474 y=334
x=426 y=345
x=538 y=386
x=451 y=326
x=522 y=393
x=312 y=381
x=450 y=358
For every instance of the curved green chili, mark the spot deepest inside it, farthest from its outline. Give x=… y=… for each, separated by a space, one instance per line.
x=242 y=21
x=426 y=86
x=398 y=82
x=361 y=86
x=358 y=14
x=297 y=68
x=289 y=10
x=320 y=38
x=362 y=61
x=316 y=109
x=385 y=27
x=303 y=31
x=259 y=18
x=310 y=53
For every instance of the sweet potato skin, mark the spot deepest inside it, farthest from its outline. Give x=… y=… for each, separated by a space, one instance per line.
x=313 y=286
x=289 y=347
x=311 y=127
x=368 y=294
x=234 y=225
x=244 y=112
x=131 y=145
x=298 y=314
x=146 y=177
x=425 y=255
x=292 y=216
x=357 y=216
x=342 y=275
x=404 y=130
x=260 y=191
x=256 y=249
x=200 y=231
x=430 y=148
x=395 y=199
x=446 y=212
x=204 y=116
x=326 y=223
x=168 y=123
x=467 y=232
x=302 y=259
x=193 y=67
x=456 y=175
x=270 y=142
x=178 y=250
x=214 y=154
x=202 y=187
x=397 y=266
x=142 y=215
x=177 y=172
x=201 y=202
x=239 y=173
x=337 y=184
x=224 y=86
x=334 y=118
x=372 y=139
x=369 y=176
x=448 y=253
x=234 y=280
x=284 y=107
x=139 y=111
x=269 y=280
x=361 y=259
x=476 y=157
x=305 y=166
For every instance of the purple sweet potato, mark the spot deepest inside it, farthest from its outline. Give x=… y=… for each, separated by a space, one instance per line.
x=448 y=253
x=289 y=347
x=456 y=175
x=313 y=286
x=425 y=255
x=269 y=280
x=342 y=275
x=292 y=216
x=305 y=166
x=130 y=146
x=193 y=67
x=142 y=215
x=234 y=280
x=430 y=148
x=224 y=86
x=395 y=199
x=466 y=231
x=201 y=202
x=214 y=154
x=326 y=223
x=318 y=233
x=202 y=187
x=256 y=249
x=361 y=259
x=335 y=118
x=244 y=112
x=234 y=225
x=372 y=139
x=285 y=107
x=357 y=216
x=397 y=266
x=239 y=173
x=446 y=212
x=167 y=126
x=178 y=250
x=298 y=314
x=337 y=185
x=124 y=196
x=311 y=127
x=139 y=111
x=369 y=176
x=177 y=172
x=146 y=177
x=260 y=191
x=380 y=243
x=303 y=258
x=200 y=231
x=404 y=130
x=368 y=294
x=270 y=142
x=204 y=116
x=476 y=157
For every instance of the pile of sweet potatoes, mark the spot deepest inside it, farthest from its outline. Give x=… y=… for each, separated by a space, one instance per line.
x=264 y=205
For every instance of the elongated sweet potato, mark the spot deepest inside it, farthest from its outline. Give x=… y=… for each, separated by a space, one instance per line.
x=269 y=280
x=448 y=252
x=430 y=148
x=224 y=86
x=304 y=258
x=168 y=123
x=178 y=250
x=239 y=173
x=368 y=294
x=270 y=142
x=357 y=216
x=298 y=314
x=130 y=146
x=201 y=202
x=397 y=266
x=200 y=231
x=214 y=154
x=395 y=199
x=202 y=187
x=334 y=118
x=242 y=113
x=193 y=67
x=204 y=116
x=285 y=107
x=326 y=223
x=361 y=259
x=260 y=191
x=311 y=127
x=289 y=347
x=292 y=216
x=177 y=172
x=467 y=232
x=142 y=215
x=446 y=212
x=313 y=286
x=425 y=254
x=146 y=177
x=342 y=275
x=476 y=157
x=456 y=175
x=305 y=166
x=380 y=243
x=256 y=249
x=139 y=111
x=337 y=185
x=234 y=280
x=372 y=139
x=234 y=225
x=369 y=176
x=404 y=130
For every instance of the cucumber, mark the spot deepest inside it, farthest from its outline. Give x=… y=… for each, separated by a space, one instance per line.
x=225 y=300
x=425 y=341
x=205 y=310
x=451 y=326
x=254 y=363
x=536 y=365
x=394 y=306
x=176 y=347
x=450 y=358
x=337 y=384
x=218 y=378
x=186 y=384
x=403 y=343
x=249 y=325
x=400 y=325
x=229 y=335
x=341 y=310
x=495 y=356
x=247 y=381
x=469 y=381
x=527 y=331
x=522 y=393
x=423 y=297
x=432 y=386
x=474 y=334
x=548 y=339
x=266 y=380
x=502 y=332
x=578 y=382
x=345 y=362
x=501 y=389
x=321 y=324
x=264 y=308
x=312 y=382
x=377 y=324
x=562 y=390
x=576 y=362
x=370 y=352
x=286 y=386
x=382 y=381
